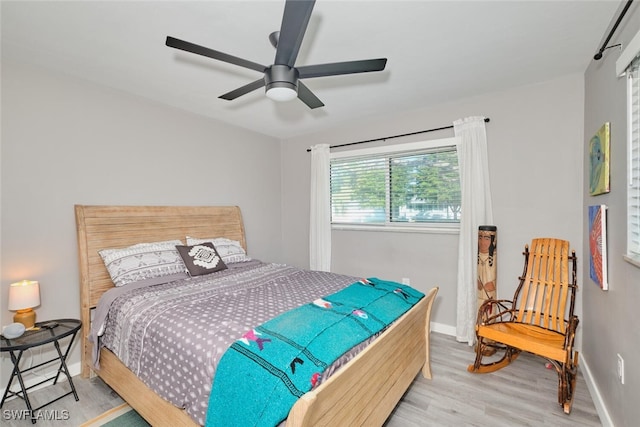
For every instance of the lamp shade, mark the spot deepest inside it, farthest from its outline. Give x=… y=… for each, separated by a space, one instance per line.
x=24 y=294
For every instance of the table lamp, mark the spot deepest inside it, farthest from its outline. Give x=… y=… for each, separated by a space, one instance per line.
x=23 y=296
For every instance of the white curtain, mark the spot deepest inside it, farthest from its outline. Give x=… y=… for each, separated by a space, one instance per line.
x=476 y=210
x=320 y=218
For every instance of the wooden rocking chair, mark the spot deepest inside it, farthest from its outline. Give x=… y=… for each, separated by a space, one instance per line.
x=539 y=320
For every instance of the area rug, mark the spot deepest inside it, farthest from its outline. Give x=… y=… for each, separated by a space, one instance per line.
x=120 y=416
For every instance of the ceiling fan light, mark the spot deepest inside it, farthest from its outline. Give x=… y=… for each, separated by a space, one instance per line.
x=281 y=93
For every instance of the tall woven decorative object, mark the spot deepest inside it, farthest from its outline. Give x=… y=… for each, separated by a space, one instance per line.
x=487 y=262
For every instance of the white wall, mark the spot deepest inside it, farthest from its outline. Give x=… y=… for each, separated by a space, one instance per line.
x=66 y=142
x=536 y=147
x=612 y=319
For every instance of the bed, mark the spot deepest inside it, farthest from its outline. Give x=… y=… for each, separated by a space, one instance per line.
x=351 y=396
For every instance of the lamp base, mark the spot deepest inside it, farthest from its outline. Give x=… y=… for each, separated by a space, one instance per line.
x=27 y=317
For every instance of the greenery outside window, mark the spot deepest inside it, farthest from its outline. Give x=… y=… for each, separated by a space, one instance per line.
x=405 y=185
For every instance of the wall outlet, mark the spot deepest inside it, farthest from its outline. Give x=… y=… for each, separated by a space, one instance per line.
x=406 y=281
x=620 y=369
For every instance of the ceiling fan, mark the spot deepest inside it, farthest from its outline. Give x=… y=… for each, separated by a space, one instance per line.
x=282 y=79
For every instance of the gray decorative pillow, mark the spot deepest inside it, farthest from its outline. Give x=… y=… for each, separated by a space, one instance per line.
x=157 y=260
x=201 y=259
x=229 y=250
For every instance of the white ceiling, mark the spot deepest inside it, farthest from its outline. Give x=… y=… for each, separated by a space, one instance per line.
x=437 y=51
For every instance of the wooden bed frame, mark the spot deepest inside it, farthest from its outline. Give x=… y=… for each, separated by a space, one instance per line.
x=363 y=392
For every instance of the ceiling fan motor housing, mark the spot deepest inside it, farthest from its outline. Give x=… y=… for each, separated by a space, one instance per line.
x=281 y=76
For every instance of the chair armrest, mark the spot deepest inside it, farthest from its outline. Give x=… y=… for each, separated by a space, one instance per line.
x=495 y=310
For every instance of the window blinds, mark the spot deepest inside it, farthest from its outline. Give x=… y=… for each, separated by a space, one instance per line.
x=633 y=190
x=417 y=186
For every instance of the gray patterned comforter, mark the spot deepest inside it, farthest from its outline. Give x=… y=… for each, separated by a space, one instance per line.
x=173 y=335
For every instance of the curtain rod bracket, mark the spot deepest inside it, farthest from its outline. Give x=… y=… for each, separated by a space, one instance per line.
x=598 y=56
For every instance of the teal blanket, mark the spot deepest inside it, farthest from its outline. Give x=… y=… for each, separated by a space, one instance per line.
x=261 y=376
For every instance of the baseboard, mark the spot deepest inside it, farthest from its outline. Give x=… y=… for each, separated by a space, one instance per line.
x=31 y=379
x=601 y=408
x=443 y=329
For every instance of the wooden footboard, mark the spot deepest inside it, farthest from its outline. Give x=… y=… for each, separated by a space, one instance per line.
x=363 y=392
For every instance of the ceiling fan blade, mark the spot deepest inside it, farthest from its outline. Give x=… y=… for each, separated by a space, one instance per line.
x=338 y=68
x=243 y=90
x=220 y=56
x=306 y=96
x=294 y=24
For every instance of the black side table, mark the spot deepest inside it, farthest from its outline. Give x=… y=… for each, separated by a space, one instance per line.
x=44 y=332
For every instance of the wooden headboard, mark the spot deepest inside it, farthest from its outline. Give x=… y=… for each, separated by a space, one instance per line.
x=104 y=227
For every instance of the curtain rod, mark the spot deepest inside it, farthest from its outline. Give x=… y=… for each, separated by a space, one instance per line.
x=486 y=120
x=604 y=47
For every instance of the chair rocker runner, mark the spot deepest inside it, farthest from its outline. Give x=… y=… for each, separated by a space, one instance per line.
x=538 y=320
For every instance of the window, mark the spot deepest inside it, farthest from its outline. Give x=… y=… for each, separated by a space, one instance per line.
x=404 y=185
x=628 y=63
x=633 y=141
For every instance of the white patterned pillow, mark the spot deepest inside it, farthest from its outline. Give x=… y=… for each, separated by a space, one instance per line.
x=229 y=250
x=158 y=260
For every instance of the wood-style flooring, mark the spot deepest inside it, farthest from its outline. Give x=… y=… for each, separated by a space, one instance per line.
x=522 y=394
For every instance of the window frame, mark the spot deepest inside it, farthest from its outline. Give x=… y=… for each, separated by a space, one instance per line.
x=395 y=149
x=630 y=58
x=633 y=175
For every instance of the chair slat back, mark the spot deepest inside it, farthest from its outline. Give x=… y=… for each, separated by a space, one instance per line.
x=545 y=288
